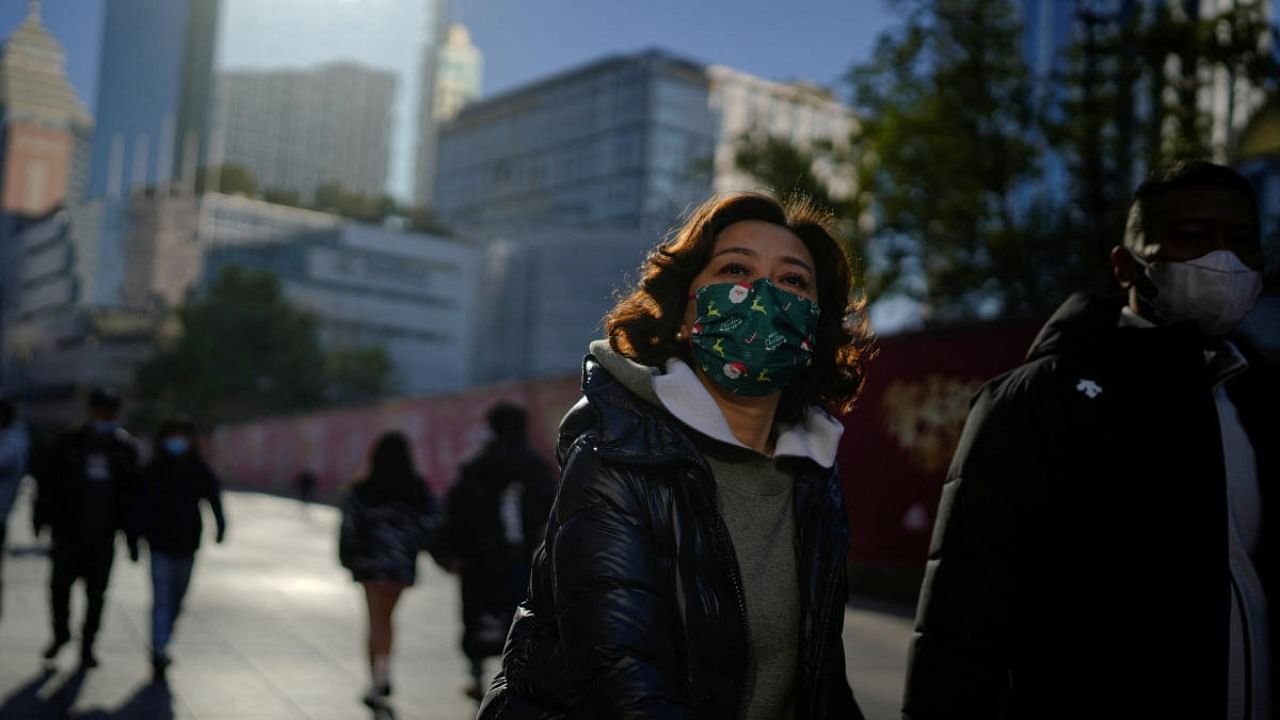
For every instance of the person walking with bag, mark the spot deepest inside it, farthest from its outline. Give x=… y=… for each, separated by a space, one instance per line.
x=388 y=517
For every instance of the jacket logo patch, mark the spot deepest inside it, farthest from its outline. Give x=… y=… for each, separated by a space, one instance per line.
x=1090 y=388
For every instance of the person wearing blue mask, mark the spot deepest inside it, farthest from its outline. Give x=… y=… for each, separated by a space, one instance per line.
x=85 y=483
x=1106 y=541
x=693 y=563
x=174 y=484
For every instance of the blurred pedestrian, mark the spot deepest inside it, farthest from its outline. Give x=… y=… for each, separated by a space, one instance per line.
x=388 y=517
x=86 y=483
x=694 y=561
x=168 y=517
x=14 y=446
x=1102 y=548
x=496 y=515
x=306 y=483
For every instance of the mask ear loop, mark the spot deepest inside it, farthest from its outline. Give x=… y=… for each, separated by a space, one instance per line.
x=1146 y=271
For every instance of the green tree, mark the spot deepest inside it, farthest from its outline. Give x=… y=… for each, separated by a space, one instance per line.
x=422 y=220
x=789 y=170
x=231 y=179
x=283 y=197
x=358 y=374
x=1162 y=53
x=948 y=134
x=333 y=198
x=243 y=352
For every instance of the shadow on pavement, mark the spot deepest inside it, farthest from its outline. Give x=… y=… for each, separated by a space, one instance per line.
x=151 y=701
x=25 y=702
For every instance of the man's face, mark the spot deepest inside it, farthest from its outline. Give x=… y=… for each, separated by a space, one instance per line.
x=1186 y=224
x=1192 y=222
x=104 y=414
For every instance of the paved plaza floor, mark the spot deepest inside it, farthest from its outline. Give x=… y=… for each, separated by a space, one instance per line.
x=273 y=630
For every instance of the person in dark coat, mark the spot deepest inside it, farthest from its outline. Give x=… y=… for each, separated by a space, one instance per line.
x=85 y=482
x=388 y=517
x=1105 y=545
x=693 y=564
x=496 y=514
x=174 y=485
x=306 y=482
x=15 y=446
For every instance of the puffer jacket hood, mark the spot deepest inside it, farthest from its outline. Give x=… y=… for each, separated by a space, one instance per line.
x=630 y=432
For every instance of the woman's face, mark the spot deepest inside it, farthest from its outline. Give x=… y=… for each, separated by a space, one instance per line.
x=752 y=249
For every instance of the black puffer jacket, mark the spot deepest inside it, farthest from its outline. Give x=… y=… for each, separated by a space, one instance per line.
x=168 y=503
x=1079 y=565
x=635 y=606
x=80 y=508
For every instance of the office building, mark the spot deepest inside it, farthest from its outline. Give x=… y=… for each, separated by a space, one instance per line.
x=458 y=75
x=388 y=36
x=44 y=126
x=154 y=95
x=296 y=130
x=455 y=72
x=629 y=141
x=414 y=295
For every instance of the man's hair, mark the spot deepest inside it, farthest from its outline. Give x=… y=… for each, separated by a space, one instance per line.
x=8 y=413
x=507 y=421
x=1145 y=210
x=177 y=425
x=104 y=398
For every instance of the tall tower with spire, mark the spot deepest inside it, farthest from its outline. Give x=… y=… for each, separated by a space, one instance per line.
x=45 y=127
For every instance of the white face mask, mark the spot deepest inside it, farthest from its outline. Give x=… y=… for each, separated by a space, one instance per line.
x=1215 y=291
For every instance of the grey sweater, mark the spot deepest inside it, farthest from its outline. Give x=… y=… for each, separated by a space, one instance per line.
x=756 y=500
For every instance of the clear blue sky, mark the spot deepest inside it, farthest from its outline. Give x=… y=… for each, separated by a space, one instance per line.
x=814 y=40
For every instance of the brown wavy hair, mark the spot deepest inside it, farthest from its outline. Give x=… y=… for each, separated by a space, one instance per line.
x=642 y=325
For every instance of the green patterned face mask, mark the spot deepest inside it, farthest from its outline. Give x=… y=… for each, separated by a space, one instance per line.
x=752 y=338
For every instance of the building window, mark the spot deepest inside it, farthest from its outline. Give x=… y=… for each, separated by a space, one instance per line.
x=37 y=191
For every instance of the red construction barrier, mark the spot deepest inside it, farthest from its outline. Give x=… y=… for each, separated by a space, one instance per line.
x=899 y=439
x=442 y=431
x=894 y=456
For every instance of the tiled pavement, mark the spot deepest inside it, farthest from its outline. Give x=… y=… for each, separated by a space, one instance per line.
x=273 y=630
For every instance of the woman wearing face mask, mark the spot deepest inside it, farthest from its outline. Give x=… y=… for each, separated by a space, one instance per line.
x=168 y=517
x=694 y=562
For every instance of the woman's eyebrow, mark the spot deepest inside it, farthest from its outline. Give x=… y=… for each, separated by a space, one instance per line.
x=740 y=250
x=792 y=260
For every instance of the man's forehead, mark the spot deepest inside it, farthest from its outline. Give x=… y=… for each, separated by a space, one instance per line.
x=1206 y=203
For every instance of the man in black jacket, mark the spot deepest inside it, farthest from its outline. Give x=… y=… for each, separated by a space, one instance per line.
x=496 y=515
x=1106 y=543
x=86 y=483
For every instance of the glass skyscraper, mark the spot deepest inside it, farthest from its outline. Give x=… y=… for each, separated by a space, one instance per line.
x=154 y=93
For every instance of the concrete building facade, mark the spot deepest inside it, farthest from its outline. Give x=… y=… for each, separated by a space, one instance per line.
x=412 y=294
x=296 y=130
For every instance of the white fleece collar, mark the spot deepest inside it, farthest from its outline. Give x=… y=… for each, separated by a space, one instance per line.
x=816 y=437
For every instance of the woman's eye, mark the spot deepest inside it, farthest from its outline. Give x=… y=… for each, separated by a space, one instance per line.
x=733 y=269
x=796 y=281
